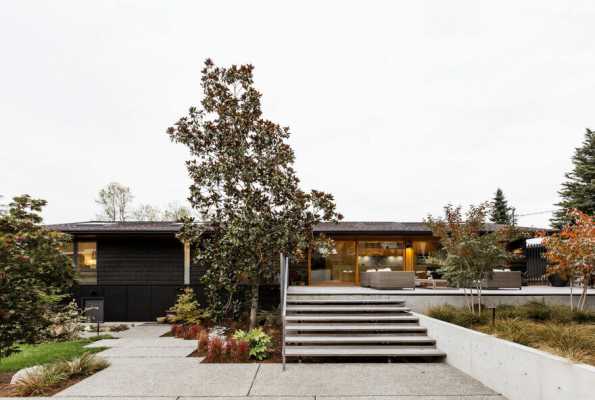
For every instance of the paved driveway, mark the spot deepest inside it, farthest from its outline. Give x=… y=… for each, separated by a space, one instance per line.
x=147 y=366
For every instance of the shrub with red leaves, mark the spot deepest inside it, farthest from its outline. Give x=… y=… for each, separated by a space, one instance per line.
x=193 y=332
x=243 y=351
x=231 y=347
x=203 y=340
x=215 y=350
x=179 y=333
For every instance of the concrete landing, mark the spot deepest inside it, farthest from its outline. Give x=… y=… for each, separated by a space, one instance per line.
x=146 y=366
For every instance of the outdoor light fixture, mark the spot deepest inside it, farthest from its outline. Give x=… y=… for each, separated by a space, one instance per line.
x=493 y=308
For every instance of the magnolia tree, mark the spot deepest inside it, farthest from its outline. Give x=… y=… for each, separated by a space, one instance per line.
x=469 y=252
x=244 y=183
x=34 y=273
x=571 y=252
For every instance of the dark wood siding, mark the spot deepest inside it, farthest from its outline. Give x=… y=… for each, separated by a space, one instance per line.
x=133 y=302
x=140 y=261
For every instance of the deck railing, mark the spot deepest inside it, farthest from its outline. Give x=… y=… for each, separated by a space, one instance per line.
x=283 y=280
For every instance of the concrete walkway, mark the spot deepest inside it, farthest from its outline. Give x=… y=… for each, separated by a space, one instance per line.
x=145 y=366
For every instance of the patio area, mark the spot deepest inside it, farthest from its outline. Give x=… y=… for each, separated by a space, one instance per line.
x=420 y=299
x=524 y=291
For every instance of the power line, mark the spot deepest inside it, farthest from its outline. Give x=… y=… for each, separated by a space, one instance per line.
x=535 y=213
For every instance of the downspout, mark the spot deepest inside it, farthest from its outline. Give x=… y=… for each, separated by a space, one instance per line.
x=186 y=262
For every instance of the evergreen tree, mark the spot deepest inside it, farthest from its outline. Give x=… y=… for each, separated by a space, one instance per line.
x=34 y=273
x=578 y=192
x=500 y=213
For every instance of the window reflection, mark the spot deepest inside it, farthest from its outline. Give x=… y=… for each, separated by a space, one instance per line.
x=87 y=255
x=336 y=266
x=381 y=255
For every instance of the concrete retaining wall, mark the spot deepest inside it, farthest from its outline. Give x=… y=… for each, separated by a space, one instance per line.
x=517 y=372
x=421 y=303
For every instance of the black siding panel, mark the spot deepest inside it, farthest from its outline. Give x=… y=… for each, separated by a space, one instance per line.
x=115 y=303
x=139 y=303
x=162 y=298
x=140 y=261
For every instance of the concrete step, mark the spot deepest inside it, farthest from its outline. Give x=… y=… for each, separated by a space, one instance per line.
x=332 y=300
x=346 y=308
x=350 y=327
x=361 y=351
x=360 y=339
x=353 y=317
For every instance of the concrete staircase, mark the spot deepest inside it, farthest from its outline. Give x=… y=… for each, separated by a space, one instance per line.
x=349 y=325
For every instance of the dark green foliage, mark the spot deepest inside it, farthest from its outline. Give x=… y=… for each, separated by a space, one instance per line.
x=553 y=328
x=500 y=212
x=533 y=311
x=536 y=311
x=578 y=192
x=34 y=274
x=461 y=317
x=244 y=184
x=583 y=316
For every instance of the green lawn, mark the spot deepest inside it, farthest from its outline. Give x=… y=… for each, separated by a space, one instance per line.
x=44 y=353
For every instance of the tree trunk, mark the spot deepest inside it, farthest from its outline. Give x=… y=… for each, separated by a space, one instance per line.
x=479 y=298
x=466 y=296
x=253 y=304
x=571 y=282
x=583 y=299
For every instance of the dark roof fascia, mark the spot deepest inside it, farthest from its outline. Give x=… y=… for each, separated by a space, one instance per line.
x=373 y=233
x=128 y=234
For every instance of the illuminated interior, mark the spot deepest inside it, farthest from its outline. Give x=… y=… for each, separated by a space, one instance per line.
x=344 y=264
x=87 y=255
x=335 y=267
x=376 y=255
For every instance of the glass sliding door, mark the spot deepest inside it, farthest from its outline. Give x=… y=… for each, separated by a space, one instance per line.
x=381 y=255
x=334 y=267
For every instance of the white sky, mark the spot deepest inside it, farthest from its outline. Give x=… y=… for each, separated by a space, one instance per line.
x=396 y=108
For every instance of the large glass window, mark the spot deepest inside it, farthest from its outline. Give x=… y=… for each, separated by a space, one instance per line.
x=86 y=262
x=424 y=250
x=87 y=255
x=381 y=255
x=335 y=266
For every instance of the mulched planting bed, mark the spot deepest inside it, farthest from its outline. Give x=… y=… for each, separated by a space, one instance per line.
x=7 y=390
x=274 y=354
x=231 y=326
x=551 y=328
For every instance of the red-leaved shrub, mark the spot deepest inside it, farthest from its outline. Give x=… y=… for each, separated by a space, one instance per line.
x=243 y=351
x=190 y=332
x=203 y=340
x=195 y=331
x=215 y=350
x=231 y=347
x=178 y=330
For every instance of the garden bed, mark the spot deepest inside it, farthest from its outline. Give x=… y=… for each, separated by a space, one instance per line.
x=7 y=390
x=44 y=354
x=193 y=332
x=551 y=328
